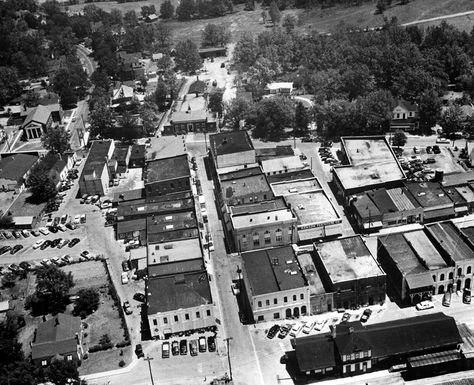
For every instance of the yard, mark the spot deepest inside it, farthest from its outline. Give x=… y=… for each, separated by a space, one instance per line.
x=21 y=207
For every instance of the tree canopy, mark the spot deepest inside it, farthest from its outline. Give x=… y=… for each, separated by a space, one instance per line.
x=215 y=35
x=41 y=185
x=271 y=116
x=56 y=139
x=187 y=58
x=87 y=302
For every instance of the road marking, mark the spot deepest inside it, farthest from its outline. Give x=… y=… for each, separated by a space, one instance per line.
x=256 y=358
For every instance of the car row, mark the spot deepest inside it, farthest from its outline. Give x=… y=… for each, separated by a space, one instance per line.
x=88 y=199
x=11 y=249
x=200 y=345
x=58 y=242
x=327 y=157
x=15 y=234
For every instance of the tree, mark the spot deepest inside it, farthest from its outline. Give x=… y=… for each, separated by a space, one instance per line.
x=429 y=110
x=162 y=33
x=380 y=7
x=301 y=120
x=56 y=139
x=41 y=186
x=100 y=79
x=130 y=19
x=166 y=10
x=274 y=13
x=399 y=139
x=187 y=58
x=9 y=84
x=148 y=114
x=215 y=35
x=87 y=302
x=271 y=117
x=128 y=127
x=236 y=111
x=452 y=121
x=245 y=51
x=376 y=109
x=186 y=9
x=148 y=10
x=215 y=101
x=52 y=291
x=101 y=121
x=289 y=23
x=62 y=372
x=161 y=94
x=9 y=280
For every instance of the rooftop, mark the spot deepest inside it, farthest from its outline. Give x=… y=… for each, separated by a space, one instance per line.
x=197 y=86
x=346 y=259
x=259 y=207
x=407 y=105
x=145 y=209
x=234 y=189
x=165 y=268
x=175 y=235
x=180 y=291
x=170 y=222
x=311 y=274
x=290 y=176
x=274 y=152
x=366 y=208
x=448 y=237
x=457 y=178
x=315 y=352
x=382 y=200
x=40 y=113
x=188 y=116
x=280 y=165
x=272 y=270
x=279 y=85
x=297 y=186
x=312 y=207
x=129 y=195
x=167 y=169
x=429 y=194
x=371 y=162
x=138 y=151
x=466 y=193
x=174 y=251
x=122 y=92
x=402 y=254
x=402 y=198
x=426 y=251
x=14 y=167
x=230 y=142
x=97 y=155
x=132 y=225
x=260 y=219
x=56 y=336
x=240 y=173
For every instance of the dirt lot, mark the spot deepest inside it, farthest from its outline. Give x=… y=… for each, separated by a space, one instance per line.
x=87 y=274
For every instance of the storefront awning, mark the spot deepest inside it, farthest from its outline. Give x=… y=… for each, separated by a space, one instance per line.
x=419 y=281
x=461 y=209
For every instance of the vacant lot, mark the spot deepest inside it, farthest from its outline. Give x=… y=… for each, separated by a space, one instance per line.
x=87 y=274
x=22 y=208
x=105 y=361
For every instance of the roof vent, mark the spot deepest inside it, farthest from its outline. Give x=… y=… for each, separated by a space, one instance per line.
x=421 y=194
x=293 y=272
x=275 y=262
x=167 y=247
x=289 y=261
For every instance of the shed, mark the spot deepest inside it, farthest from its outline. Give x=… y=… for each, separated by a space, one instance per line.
x=23 y=222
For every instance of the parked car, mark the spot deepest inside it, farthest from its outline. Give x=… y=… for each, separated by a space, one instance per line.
x=165 y=349
x=183 y=347
x=14 y=268
x=106 y=205
x=71 y=226
x=35 y=233
x=365 y=315
x=16 y=248
x=284 y=330
x=4 y=249
x=436 y=150
x=16 y=234
x=53 y=229
x=45 y=262
x=67 y=259
x=424 y=305
x=74 y=242
x=466 y=296
x=25 y=233
x=139 y=351
x=126 y=307
x=211 y=343
x=319 y=325
x=7 y=235
x=202 y=344
x=139 y=297
x=345 y=317
x=273 y=331
x=57 y=261
x=56 y=242
x=193 y=348
x=43 y=230
x=125 y=265
x=308 y=327
x=296 y=329
x=443 y=140
x=83 y=218
x=85 y=254
x=26 y=266
x=429 y=160
x=124 y=278
x=63 y=243
x=38 y=243
x=447 y=299
x=62 y=227
x=45 y=244
x=175 y=348
x=77 y=219
x=64 y=219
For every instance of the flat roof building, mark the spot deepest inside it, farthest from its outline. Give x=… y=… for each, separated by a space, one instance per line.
x=167 y=175
x=296 y=186
x=173 y=251
x=170 y=222
x=371 y=164
x=231 y=149
x=274 y=284
x=142 y=209
x=95 y=175
x=290 y=176
x=282 y=165
x=348 y=269
x=432 y=198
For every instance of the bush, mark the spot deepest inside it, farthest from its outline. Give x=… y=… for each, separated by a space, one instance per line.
x=104 y=340
x=122 y=344
x=99 y=348
x=122 y=363
x=87 y=302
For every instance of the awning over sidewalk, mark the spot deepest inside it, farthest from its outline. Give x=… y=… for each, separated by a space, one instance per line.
x=419 y=281
x=434 y=358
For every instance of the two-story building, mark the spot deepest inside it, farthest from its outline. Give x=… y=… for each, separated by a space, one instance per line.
x=279 y=88
x=182 y=122
x=95 y=177
x=167 y=175
x=14 y=171
x=404 y=116
x=282 y=165
x=229 y=149
x=274 y=284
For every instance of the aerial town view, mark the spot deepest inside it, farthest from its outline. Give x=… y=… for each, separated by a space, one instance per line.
x=236 y=192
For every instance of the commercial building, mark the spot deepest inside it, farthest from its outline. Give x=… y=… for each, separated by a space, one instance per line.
x=60 y=336
x=267 y=153
x=231 y=149
x=371 y=164
x=244 y=186
x=274 y=284
x=137 y=156
x=156 y=224
x=172 y=251
x=128 y=230
x=436 y=204
x=427 y=341
x=167 y=175
x=182 y=122
x=142 y=208
x=385 y=208
x=348 y=269
x=282 y=165
x=179 y=298
x=290 y=176
x=14 y=171
x=95 y=175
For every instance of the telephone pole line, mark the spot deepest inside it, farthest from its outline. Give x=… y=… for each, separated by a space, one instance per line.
x=148 y=358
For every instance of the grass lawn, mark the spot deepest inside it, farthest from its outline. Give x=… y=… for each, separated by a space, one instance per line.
x=105 y=361
x=463 y=23
x=124 y=7
x=22 y=208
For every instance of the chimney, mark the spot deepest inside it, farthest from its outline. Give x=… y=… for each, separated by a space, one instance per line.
x=56 y=321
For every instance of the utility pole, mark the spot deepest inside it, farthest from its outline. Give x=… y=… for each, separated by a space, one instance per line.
x=228 y=356
x=148 y=358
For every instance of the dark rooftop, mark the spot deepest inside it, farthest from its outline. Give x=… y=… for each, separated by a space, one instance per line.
x=242 y=173
x=197 y=86
x=251 y=208
x=233 y=190
x=428 y=194
x=167 y=169
x=290 y=176
x=402 y=254
x=14 y=167
x=230 y=142
x=447 y=236
x=175 y=235
x=145 y=209
x=315 y=352
x=178 y=267
x=129 y=195
x=382 y=200
x=171 y=222
x=181 y=291
x=133 y=225
x=468 y=233
x=365 y=207
x=97 y=157
x=272 y=270
x=454 y=195
x=138 y=151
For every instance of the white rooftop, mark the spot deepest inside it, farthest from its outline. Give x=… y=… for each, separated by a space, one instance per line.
x=258 y=219
x=280 y=85
x=285 y=164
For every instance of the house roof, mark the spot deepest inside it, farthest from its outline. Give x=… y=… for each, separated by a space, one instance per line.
x=197 y=86
x=188 y=116
x=230 y=142
x=279 y=85
x=315 y=352
x=97 y=158
x=56 y=336
x=40 y=114
x=347 y=259
x=14 y=167
x=181 y=291
x=175 y=167
x=272 y=270
x=4 y=306
x=122 y=92
x=407 y=105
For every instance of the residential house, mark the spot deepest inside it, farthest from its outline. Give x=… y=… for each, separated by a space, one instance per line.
x=122 y=95
x=39 y=119
x=129 y=65
x=404 y=116
x=279 y=88
x=210 y=52
x=274 y=284
x=60 y=336
x=167 y=175
x=14 y=171
x=95 y=175
x=151 y=18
